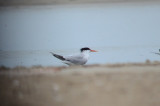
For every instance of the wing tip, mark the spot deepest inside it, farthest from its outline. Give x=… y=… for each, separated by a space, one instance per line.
x=58 y=56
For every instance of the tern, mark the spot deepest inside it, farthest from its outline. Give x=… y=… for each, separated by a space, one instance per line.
x=79 y=59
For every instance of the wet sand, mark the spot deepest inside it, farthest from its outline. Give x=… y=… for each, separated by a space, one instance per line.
x=131 y=84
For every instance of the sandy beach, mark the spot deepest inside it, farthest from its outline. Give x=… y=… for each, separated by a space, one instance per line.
x=131 y=84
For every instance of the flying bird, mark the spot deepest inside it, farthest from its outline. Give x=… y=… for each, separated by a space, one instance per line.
x=79 y=59
x=157 y=53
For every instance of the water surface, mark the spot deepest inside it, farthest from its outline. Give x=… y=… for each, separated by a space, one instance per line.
x=124 y=32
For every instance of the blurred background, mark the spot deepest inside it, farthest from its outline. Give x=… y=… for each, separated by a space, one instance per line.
x=122 y=31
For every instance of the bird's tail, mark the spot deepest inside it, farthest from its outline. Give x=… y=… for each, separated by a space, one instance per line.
x=58 y=56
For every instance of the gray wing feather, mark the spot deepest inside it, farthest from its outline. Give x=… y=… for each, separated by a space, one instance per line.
x=76 y=59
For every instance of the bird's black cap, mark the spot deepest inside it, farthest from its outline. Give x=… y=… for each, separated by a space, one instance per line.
x=85 y=48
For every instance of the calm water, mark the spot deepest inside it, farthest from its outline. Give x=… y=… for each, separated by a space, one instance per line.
x=120 y=32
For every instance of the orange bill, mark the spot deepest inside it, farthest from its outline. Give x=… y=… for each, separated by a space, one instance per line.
x=93 y=51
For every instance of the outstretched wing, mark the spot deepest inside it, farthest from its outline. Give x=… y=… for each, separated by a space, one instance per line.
x=156 y=53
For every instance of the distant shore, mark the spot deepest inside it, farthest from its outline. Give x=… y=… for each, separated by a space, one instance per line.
x=112 y=65
x=57 y=2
